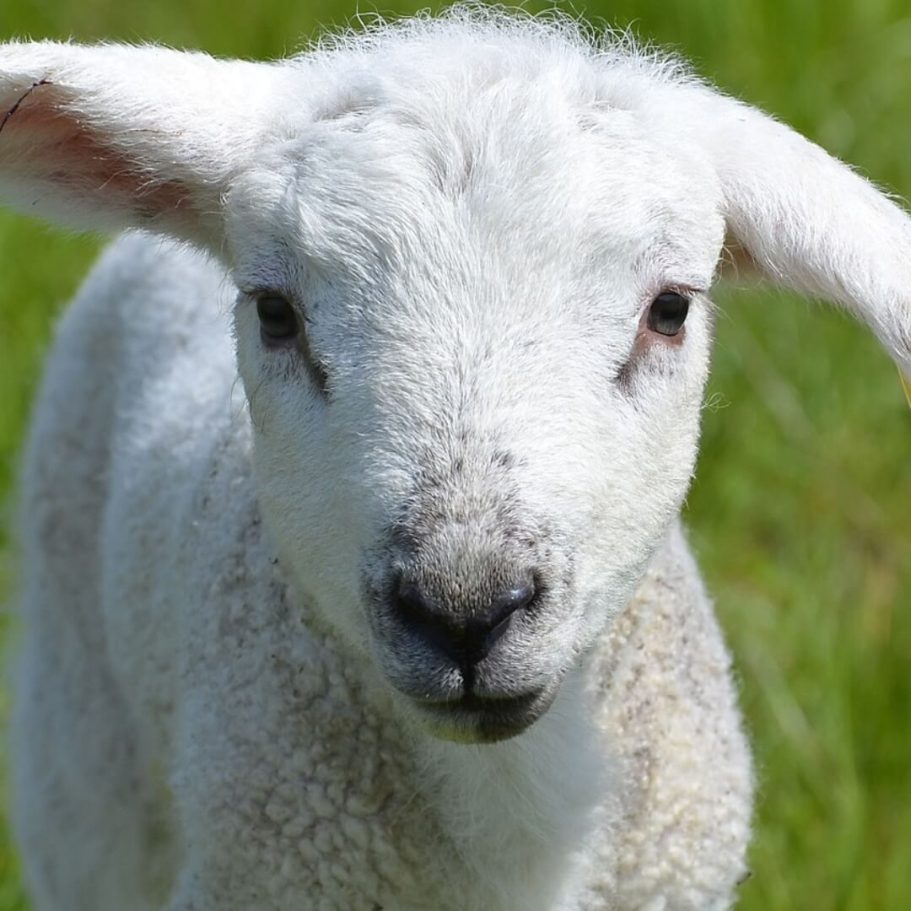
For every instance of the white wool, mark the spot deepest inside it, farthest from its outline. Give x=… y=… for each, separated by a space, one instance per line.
x=224 y=702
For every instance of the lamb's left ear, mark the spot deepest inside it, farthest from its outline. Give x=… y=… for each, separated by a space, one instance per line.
x=809 y=222
x=114 y=136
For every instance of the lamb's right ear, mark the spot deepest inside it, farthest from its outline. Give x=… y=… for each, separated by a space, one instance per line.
x=114 y=136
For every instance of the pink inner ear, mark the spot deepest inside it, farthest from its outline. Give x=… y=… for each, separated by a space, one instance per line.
x=737 y=264
x=44 y=142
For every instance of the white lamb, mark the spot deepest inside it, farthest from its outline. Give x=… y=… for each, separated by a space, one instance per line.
x=404 y=619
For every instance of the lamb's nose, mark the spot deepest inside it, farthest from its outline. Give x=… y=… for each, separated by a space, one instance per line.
x=465 y=638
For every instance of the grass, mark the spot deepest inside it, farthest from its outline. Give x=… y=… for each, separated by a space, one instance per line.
x=800 y=511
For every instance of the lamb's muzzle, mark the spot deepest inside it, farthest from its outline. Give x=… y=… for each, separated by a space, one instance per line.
x=468 y=639
x=460 y=624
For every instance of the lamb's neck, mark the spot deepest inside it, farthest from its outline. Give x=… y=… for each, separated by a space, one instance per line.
x=519 y=810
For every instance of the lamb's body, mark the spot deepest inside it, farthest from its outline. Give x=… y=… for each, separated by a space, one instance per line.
x=195 y=694
x=465 y=661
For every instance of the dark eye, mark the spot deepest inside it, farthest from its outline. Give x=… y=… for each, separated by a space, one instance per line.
x=280 y=328
x=667 y=313
x=277 y=319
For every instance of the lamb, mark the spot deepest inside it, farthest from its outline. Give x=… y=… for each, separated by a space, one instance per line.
x=405 y=618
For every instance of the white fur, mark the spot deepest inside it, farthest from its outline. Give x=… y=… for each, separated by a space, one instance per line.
x=216 y=708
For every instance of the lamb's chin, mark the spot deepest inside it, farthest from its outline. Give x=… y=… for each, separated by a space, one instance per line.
x=473 y=719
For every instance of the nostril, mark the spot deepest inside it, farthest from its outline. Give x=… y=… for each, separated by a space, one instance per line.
x=420 y=614
x=410 y=600
x=520 y=595
x=491 y=626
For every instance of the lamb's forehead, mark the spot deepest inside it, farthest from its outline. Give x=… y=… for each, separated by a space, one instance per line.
x=415 y=148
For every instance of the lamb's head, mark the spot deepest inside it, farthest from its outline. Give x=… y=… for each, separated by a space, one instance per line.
x=472 y=324
x=474 y=335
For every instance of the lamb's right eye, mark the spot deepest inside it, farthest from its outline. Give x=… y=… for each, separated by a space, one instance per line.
x=277 y=319
x=667 y=313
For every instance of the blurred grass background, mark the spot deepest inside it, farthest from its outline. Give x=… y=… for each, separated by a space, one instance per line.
x=801 y=512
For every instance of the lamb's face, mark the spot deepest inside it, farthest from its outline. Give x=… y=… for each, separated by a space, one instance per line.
x=477 y=412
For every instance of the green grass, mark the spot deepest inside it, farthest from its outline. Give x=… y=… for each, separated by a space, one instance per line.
x=800 y=512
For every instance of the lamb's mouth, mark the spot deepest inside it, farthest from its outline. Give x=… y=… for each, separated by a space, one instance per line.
x=485 y=719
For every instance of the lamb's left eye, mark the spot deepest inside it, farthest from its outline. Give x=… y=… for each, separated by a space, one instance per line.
x=277 y=319
x=667 y=313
